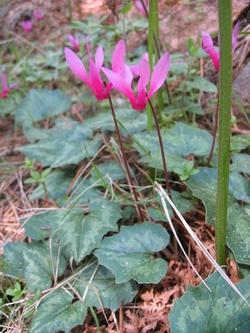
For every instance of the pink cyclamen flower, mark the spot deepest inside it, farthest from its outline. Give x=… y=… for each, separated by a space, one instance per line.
x=5 y=87
x=38 y=14
x=212 y=51
x=122 y=81
x=135 y=69
x=93 y=78
x=27 y=25
x=74 y=42
x=139 y=6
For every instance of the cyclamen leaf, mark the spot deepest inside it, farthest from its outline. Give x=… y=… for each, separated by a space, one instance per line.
x=239 y=187
x=62 y=150
x=103 y=291
x=83 y=233
x=202 y=84
x=238 y=232
x=203 y=186
x=180 y=140
x=40 y=104
x=221 y=310
x=58 y=312
x=39 y=263
x=241 y=163
x=130 y=253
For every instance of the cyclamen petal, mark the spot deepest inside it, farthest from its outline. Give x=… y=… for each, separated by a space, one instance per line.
x=135 y=68
x=99 y=57
x=140 y=7
x=76 y=65
x=4 y=82
x=118 y=56
x=119 y=83
x=5 y=87
x=74 y=42
x=159 y=74
x=95 y=82
x=38 y=14
x=144 y=71
x=27 y=25
x=128 y=75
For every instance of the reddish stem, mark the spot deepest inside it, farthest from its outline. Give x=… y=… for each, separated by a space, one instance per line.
x=127 y=169
x=161 y=147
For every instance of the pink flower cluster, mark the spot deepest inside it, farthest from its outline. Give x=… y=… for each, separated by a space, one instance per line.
x=212 y=51
x=27 y=25
x=121 y=77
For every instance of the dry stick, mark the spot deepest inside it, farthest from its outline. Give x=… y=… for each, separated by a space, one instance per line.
x=214 y=134
x=138 y=209
x=161 y=147
x=157 y=46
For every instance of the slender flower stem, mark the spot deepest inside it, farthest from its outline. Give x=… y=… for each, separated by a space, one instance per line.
x=161 y=147
x=156 y=37
x=225 y=101
x=128 y=174
x=214 y=134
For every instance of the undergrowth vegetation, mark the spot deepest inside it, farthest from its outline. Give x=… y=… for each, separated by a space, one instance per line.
x=110 y=166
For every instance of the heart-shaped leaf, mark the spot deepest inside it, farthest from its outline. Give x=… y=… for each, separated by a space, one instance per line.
x=101 y=290
x=129 y=255
x=58 y=312
x=82 y=233
x=63 y=150
x=40 y=104
x=219 y=310
x=203 y=186
x=180 y=140
x=40 y=263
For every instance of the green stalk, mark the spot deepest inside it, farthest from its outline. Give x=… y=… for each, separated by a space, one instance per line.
x=157 y=38
x=151 y=32
x=225 y=100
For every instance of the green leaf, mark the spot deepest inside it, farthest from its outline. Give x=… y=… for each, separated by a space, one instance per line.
x=180 y=140
x=110 y=169
x=182 y=204
x=221 y=310
x=238 y=232
x=42 y=226
x=13 y=259
x=57 y=184
x=175 y=164
x=104 y=121
x=202 y=84
x=58 y=312
x=129 y=254
x=83 y=233
x=241 y=163
x=103 y=292
x=9 y=105
x=40 y=104
x=239 y=187
x=61 y=151
x=203 y=186
x=239 y=142
x=38 y=261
